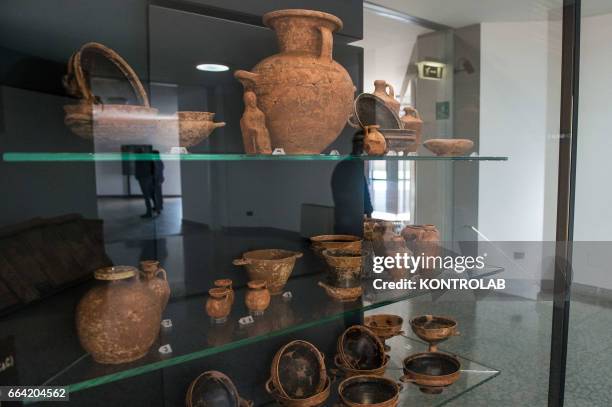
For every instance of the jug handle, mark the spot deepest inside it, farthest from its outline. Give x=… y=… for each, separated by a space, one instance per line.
x=412 y=112
x=248 y=79
x=163 y=273
x=327 y=43
x=391 y=91
x=218 y=124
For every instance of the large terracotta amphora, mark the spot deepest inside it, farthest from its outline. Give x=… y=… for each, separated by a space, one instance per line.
x=119 y=319
x=304 y=94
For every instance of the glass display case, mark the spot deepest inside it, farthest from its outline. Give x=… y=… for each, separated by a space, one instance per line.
x=299 y=203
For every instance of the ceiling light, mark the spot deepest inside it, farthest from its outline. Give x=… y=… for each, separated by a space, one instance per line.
x=212 y=67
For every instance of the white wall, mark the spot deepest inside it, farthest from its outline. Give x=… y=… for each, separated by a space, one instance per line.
x=593 y=220
x=519 y=118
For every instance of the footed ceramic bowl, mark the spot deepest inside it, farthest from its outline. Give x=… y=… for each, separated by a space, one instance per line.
x=449 y=147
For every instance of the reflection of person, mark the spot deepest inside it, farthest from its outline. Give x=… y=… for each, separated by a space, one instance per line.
x=150 y=176
x=351 y=196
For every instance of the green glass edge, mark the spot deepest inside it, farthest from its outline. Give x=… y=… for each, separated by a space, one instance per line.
x=91 y=157
x=223 y=348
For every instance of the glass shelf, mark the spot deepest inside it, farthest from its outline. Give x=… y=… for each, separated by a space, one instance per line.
x=94 y=157
x=194 y=336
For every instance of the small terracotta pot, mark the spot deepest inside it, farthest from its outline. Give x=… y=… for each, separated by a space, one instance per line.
x=431 y=371
x=150 y=270
x=316 y=400
x=350 y=372
x=342 y=294
x=422 y=240
x=411 y=120
x=226 y=283
x=385 y=91
x=374 y=142
x=218 y=304
x=369 y=391
x=274 y=266
x=344 y=264
x=257 y=298
x=434 y=329
x=290 y=368
x=385 y=326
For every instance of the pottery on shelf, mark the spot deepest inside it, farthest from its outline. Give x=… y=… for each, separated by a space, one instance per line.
x=434 y=329
x=274 y=266
x=118 y=320
x=369 y=391
x=374 y=142
x=298 y=370
x=218 y=304
x=411 y=120
x=359 y=348
x=150 y=271
x=385 y=91
x=316 y=400
x=214 y=388
x=344 y=264
x=345 y=242
x=257 y=298
x=423 y=240
x=342 y=294
x=305 y=95
x=385 y=326
x=255 y=134
x=350 y=372
x=431 y=371
x=449 y=147
x=195 y=127
x=226 y=283
x=369 y=110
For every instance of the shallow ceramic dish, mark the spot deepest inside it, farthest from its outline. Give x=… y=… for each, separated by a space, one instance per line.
x=298 y=370
x=316 y=400
x=370 y=110
x=213 y=388
x=274 y=266
x=449 y=147
x=369 y=391
x=431 y=371
x=359 y=348
x=342 y=294
x=434 y=329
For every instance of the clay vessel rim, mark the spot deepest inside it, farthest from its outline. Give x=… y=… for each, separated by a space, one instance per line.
x=397 y=319
x=334 y=238
x=381 y=103
x=366 y=378
x=223 y=282
x=297 y=12
x=276 y=379
x=222 y=378
x=218 y=292
x=428 y=318
x=115 y=273
x=342 y=253
x=438 y=355
x=256 y=284
x=286 y=255
x=306 y=400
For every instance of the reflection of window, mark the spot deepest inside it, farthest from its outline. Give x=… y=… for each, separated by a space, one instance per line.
x=390 y=184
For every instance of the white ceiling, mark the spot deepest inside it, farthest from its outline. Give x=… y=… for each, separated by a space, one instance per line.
x=460 y=13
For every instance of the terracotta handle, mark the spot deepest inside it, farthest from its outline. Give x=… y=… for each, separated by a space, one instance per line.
x=406 y=379
x=240 y=262
x=298 y=255
x=412 y=112
x=162 y=272
x=218 y=124
x=327 y=43
x=248 y=79
x=391 y=91
x=269 y=388
x=352 y=121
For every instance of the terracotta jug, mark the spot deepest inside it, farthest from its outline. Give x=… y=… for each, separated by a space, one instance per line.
x=411 y=120
x=305 y=95
x=422 y=239
x=257 y=298
x=118 y=320
x=226 y=283
x=218 y=304
x=380 y=90
x=374 y=142
x=150 y=270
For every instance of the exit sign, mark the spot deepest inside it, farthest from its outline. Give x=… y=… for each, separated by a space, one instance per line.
x=431 y=70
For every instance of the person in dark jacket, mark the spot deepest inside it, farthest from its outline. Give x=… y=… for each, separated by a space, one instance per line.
x=150 y=176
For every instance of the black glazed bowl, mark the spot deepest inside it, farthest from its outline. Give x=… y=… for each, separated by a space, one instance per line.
x=369 y=390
